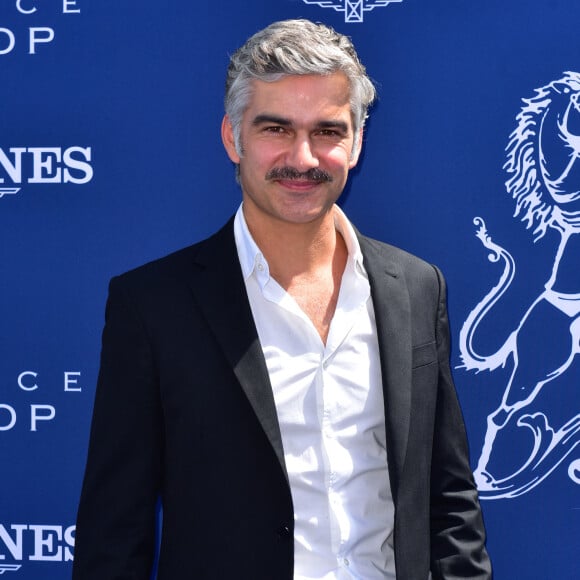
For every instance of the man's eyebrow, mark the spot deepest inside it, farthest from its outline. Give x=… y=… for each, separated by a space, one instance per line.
x=275 y=120
x=266 y=118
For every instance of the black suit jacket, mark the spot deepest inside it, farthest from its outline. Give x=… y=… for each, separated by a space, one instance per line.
x=184 y=411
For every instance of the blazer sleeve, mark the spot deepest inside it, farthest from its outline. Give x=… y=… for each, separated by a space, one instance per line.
x=115 y=534
x=457 y=530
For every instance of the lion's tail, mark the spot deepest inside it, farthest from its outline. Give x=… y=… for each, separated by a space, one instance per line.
x=469 y=357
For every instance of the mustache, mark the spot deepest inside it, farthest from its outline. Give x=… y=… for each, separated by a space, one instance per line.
x=314 y=174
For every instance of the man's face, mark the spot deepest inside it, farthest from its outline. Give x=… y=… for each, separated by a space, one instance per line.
x=297 y=139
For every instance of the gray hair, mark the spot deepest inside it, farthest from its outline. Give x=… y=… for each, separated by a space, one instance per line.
x=295 y=47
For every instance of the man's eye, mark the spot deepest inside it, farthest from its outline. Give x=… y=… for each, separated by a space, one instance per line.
x=274 y=129
x=329 y=133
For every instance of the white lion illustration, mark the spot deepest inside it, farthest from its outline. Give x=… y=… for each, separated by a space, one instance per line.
x=543 y=165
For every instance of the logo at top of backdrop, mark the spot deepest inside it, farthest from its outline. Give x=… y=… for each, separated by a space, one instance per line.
x=543 y=167
x=353 y=9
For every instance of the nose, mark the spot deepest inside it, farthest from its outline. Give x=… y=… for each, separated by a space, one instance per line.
x=301 y=154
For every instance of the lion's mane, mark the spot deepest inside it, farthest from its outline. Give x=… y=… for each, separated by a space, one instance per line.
x=534 y=204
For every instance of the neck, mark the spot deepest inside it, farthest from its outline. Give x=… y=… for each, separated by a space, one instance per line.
x=298 y=249
x=307 y=260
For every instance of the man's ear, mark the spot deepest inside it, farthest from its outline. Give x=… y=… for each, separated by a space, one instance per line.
x=228 y=140
x=356 y=152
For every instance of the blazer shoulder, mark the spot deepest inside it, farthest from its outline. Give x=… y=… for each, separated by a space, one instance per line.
x=179 y=264
x=398 y=261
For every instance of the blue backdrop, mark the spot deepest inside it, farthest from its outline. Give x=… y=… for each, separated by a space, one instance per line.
x=110 y=156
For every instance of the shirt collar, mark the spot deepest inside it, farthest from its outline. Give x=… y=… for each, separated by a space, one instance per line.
x=252 y=261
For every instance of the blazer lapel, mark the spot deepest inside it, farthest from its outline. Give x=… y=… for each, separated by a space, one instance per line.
x=393 y=317
x=218 y=286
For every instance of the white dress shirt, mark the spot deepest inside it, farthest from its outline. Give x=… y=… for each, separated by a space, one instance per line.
x=329 y=401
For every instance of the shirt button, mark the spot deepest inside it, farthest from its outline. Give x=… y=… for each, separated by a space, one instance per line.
x=260 y=267
x=283 y=532
x=346 y=562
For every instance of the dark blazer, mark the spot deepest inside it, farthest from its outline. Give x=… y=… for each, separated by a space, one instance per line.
x=184 y=411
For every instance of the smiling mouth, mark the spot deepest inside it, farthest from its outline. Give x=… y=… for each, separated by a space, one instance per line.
x=289 y=174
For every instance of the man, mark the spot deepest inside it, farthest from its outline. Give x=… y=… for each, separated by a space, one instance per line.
x=283 y=387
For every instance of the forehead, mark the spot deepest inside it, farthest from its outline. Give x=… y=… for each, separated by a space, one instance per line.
x=302 y=97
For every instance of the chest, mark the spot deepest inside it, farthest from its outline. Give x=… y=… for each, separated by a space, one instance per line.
x=318 y=302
